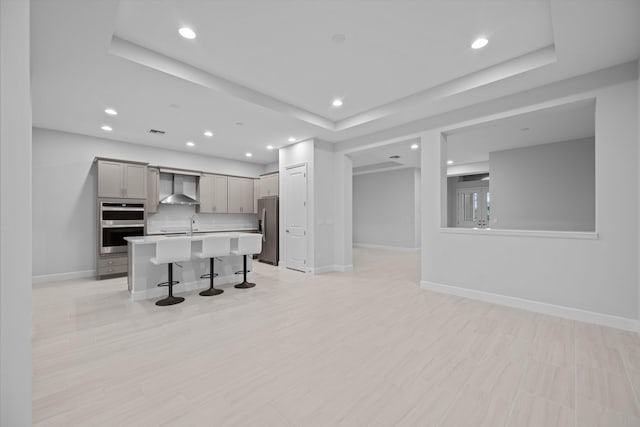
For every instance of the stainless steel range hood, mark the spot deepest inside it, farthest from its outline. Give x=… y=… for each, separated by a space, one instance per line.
x=177 y=198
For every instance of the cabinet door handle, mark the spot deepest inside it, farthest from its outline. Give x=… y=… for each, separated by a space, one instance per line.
x=214 y=208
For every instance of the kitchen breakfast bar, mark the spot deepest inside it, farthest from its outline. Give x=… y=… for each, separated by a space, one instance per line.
x=144 y=276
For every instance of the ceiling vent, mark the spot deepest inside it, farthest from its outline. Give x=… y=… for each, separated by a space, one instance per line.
x=156 y=132
x=394 y=157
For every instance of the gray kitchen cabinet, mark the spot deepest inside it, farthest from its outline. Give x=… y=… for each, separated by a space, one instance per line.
x=122 y=180
x=269 y=185
x=111 y=266
x=240 y=195
x=135 y=181
x=109 y=179
x=212 y=193
x=153 y=190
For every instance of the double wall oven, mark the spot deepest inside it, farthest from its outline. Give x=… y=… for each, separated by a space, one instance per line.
x=117 y=221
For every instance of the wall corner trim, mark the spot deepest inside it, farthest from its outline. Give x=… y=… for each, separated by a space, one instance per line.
x=617 y=322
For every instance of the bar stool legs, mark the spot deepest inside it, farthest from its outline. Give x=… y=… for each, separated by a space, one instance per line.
x=211 y=291
x=244 y=284
x=170 y=300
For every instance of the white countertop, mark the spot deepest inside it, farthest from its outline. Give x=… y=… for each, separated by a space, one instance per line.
x=183 y=230
x=142 y=240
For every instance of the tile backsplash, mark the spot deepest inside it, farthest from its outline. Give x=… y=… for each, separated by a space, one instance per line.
x=176 y=219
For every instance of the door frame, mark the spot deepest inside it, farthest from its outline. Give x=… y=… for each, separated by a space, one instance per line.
x=283 y=216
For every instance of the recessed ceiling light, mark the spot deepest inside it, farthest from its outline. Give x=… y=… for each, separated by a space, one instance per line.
x=106 y=128
x=269 y=147
x=248 y=154
x=338 y=38
x=479 y=43
x=190 y=144
x=111 y=112
x=208 y=133
x=449 y=162
x=187 y=33
x=414 y=146
x=291 y=139
x=337 y=102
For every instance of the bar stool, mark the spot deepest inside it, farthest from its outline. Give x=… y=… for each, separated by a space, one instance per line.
x=213 y=246
x=168 y=251
x=248 y=244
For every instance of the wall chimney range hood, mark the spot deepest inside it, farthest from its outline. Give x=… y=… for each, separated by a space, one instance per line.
x=177 y=198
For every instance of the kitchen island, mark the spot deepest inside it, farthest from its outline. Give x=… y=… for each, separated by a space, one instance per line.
x=144 y=276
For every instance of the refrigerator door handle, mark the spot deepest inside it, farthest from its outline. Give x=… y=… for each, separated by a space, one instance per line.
x=264 y=223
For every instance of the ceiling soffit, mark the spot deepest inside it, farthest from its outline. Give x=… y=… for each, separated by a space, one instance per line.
x=163 y=63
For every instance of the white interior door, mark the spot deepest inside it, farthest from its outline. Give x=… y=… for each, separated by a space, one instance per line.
x=296 y=217
x=473 y=207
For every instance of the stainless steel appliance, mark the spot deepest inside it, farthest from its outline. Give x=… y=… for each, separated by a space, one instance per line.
x=268 y=211
x=117 y=221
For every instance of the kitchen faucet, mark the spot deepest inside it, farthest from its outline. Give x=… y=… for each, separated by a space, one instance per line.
x=191 y=224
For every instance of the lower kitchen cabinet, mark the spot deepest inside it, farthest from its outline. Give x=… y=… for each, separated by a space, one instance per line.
x=108 y=266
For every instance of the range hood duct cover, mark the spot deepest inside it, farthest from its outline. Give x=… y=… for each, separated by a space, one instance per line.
x=177 y=198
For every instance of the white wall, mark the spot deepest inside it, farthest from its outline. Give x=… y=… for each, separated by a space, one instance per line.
x=271 y=167
x=64 y=193
x=343 y=212
x=384 y=209
x=417 y=233
x=15 y=215
x=544 y=187
x=598 y=276
x=328 y=219
x=323 y=226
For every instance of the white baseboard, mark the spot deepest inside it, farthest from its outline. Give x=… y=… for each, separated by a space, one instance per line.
x=57 y=277
x=538 y=307
x=343 y=268
x=332 y=268
x=389 y=248
x=321 y=270
x=159 y=292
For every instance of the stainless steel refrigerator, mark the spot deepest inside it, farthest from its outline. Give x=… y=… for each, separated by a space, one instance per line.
x=268 y=211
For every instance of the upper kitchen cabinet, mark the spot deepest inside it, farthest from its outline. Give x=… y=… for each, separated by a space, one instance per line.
x=153 y=190
x=240 y=195
x=212 y=193
x=269 y=185
x=122 y=180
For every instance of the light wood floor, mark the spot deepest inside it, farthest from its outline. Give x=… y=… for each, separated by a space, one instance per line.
x=363 y=349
